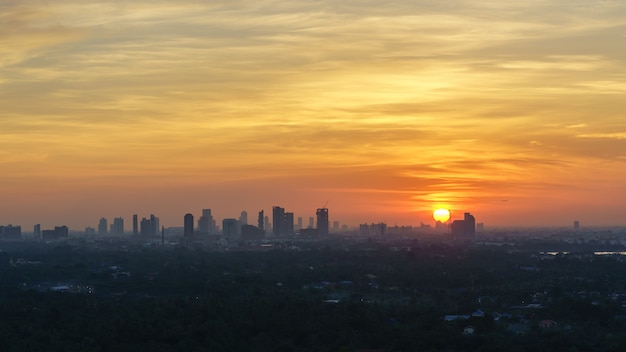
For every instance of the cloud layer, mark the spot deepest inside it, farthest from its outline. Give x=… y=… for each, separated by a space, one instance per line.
x=398 y=107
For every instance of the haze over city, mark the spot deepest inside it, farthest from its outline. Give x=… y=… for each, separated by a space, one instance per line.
x=385 y=112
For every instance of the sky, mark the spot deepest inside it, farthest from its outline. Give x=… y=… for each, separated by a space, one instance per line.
x=378 y=110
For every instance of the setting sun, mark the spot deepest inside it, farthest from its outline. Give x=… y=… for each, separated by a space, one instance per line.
x=441 y=215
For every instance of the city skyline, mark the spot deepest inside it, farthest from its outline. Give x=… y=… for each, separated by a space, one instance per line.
x=510 y=111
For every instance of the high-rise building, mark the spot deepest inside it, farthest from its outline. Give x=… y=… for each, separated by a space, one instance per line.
x=322 y=221
x=11 y=232
x=58 y=232
x=260 y=222
x=335 y=226
x=145 y=227
x=266 y=223
x=287 y=227
x=135 y=225
x=243 y=219
x=231 y=229
x=465 y=229
x=117 y=227
x=37 y=231
x=576 y=226
x=102 y=227
x=278 y=214
x=299 y=224
x=188 y=223
x=154 y=225
x=206 y=223
x=311 y=223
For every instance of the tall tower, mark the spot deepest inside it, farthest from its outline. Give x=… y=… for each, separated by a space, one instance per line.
x=288 y=224
x=135 y=225
x=260 y=220
x=278 y=214
x=322 y=221
x=102 y=227
x=188 y=220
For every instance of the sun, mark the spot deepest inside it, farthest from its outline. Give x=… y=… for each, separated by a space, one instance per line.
x=441 y=214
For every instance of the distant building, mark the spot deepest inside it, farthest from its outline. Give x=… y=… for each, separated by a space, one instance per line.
x=154 y=225
x=11 y=232
x=117 y=227
x=90 y=231
x=206 y=223
x=231 y=230
x=480 y=227
x=311 y=223
x=102 y=227
x=260 y=221
x=379 y=229
x=243 y=218
x=135 y=225
x=251 y=233
x=287 y=227
x=322 y=221
x=309 y=232
x=145 y=228
x=37 y=231
x=58 y=232
x=278 y=215
x=576 y=226
x=335 y=226
x=464 y=229
x=299 y=224
x=188 y=225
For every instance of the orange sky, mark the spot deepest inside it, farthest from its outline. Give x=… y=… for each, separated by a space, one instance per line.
x=511 y=111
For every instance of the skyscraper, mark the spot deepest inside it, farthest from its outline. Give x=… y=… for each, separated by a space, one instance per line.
x=117 y=227
x=299 y=224
x=260 y=220
x=102 y=227
x=231 y=230
x=278 y=214
x=243 y=219
x=206 y=224
x=135 y=225
x=188 y=220
x=464 y=229
x=322 y=221
x=287 y=227
x=145 y=227
x=37 y=231
x=154 y=225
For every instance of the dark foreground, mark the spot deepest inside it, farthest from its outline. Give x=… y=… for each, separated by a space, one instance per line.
x=367 y=297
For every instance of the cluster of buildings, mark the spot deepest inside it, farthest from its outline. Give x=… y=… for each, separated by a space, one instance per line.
x=283 y=224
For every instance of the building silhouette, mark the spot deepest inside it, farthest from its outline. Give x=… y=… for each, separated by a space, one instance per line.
x=379 y=229
x=464 y=230
x=11 y=232
x=261 y=221
x=231 y=230
x=135 y=225
x=58 y=232
x=117 y=227
x=102 y=227
x=322 y=221
x=278 y=215
x=37 y=231
x=288 y=224
x=206 y=223
x=188 y=225
x=243 y=218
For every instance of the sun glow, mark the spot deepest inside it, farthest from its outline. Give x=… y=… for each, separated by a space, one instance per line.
x=441 y=214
